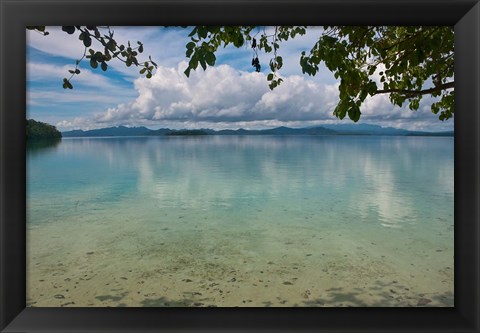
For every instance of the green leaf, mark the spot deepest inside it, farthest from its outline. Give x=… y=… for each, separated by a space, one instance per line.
x=202 y=32
x=341 y=109
x=187 y=71
x=104 y=66
x=371 y=88
x=190 y=45
x=98 y=56
x=329 y=40
x=193 y=32
x=193 y=63
x=203 y=63
x=272 y=66
x=270 y=77
x=414 y=104
x=87 y=41
x=68 y=29
x=67 y=84
x=149 y=75
x=93 y=63
x=279 y=61
x=354 y=113
x=111 y=45
x=210 y=58
x=238 y=42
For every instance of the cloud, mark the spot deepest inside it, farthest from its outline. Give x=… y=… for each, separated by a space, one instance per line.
x=223 y=97
x=89 y=88
x=57 y=43
x=229 y=95
x=379 y=110
x=223 y=94
x=166 y=45
x=65 y=97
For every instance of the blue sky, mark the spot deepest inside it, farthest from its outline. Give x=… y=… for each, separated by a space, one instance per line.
x=229 y=95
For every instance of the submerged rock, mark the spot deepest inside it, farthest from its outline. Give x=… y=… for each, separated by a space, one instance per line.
x=423 y=301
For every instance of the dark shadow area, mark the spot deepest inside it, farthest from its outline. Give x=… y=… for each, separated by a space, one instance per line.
x=112 y=298
x=391 y=294
x=185 y=302
x=109 y=298
x=37 y=146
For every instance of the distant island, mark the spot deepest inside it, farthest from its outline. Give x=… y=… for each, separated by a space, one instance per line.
x=186 y=132
x=334 y=129
x=38 y=130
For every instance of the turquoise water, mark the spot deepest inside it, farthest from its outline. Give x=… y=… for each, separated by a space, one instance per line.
x=241 y=221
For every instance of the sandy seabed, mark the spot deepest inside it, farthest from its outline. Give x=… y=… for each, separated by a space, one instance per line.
x=124 y=262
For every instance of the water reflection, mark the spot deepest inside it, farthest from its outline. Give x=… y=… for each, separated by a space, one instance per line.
x=41 y=146
x=352 y=220
x=385 y=179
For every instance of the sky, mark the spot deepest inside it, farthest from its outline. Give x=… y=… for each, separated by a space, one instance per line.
x=229 y=95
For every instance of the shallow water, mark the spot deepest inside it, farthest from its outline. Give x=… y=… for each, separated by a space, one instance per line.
x=241 y=221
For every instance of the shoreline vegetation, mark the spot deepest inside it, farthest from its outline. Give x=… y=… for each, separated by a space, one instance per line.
x=339 y=129
x=36 y=130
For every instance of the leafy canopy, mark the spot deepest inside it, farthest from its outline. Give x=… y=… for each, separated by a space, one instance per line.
x=39 y=130
x=406 y=62
x=108 y=50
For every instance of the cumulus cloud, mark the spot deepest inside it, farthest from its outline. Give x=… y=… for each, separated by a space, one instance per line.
x=223 y=94
x=224 y=97
x=228 y=95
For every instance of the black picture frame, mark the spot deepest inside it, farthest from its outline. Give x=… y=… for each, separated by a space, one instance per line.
x=17 y=14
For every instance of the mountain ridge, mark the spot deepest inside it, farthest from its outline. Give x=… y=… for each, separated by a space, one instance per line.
x=329 y=129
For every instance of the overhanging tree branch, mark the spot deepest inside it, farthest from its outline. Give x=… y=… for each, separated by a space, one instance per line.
x=417 y=92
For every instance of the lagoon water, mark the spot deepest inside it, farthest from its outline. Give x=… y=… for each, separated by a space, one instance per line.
x=241 y=221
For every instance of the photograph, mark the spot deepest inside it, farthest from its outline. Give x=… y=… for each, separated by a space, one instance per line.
x=240 y=166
